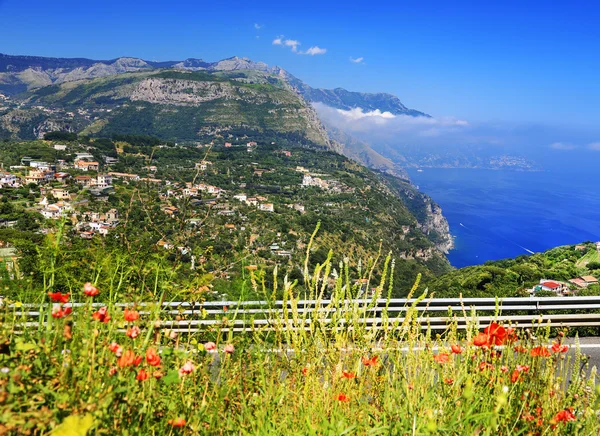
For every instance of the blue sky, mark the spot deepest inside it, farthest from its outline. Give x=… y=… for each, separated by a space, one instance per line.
x=514 y=62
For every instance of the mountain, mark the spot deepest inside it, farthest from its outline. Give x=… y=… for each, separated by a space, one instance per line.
x=21 y=73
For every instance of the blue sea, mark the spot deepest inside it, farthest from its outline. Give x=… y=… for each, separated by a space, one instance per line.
x=499 y=214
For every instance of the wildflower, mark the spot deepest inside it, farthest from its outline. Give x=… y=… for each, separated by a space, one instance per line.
x=90 y=290
x=520 y=349
x=142 y=375
x=496 y=334
x=152 y=357
x=157 y=375
x=115 y=348
x=59 y=312
x=101 y=315
x=67 y=332
x=210 y=346
x=448 y=381
x=131 y=315
x=456 y=349
x=511 y=334
x=516 y=374
x=369 y=362
x=557 y=347
x=485 y=366
x=133 y=332
x=112 y=371
x=57 y=297
x=127 y=359
x=187 y=368
x=225 y=308
x=304 y=371
x=5 y=370
x=441 y=358
x=504 y=368
x=540 y=351
x=177 y=422
x=229 y=348
x=565 y=415
x=481 y=340
x=348 y=375
x=343 y=398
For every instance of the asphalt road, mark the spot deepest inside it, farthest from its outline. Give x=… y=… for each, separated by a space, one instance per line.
x=589 y=346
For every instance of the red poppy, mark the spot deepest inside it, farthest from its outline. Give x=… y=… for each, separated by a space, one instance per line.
x=511 y=334
x=456 y=349
x=157 y=375
x=559 y=348
x=441 y=358
x=369 y=362
x=496 y=333
x=540 y=351
x=59 y=311
x=142 y=375
x=485 y=366
x=177 y=422
x=304 y=371
x=504 y=368
x=116 y=348
x=126 y=359
x=346 y=374
x=152 y=357
x=481 y=340
x=520 y=349
x=131 y=315
x=565 y=415
x=343 y=398
x=138 y=360
x=112 y=371
x=101 y=315
x=90 y=290
x=133 y=332
x=57 y=297
x=448 y=381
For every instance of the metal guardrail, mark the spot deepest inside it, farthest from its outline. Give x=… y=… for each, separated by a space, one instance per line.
x=248 y=316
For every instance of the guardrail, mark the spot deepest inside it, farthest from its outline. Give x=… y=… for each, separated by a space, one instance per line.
x=248 y=316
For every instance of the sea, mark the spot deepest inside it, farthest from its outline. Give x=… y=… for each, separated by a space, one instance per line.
x=496 y=214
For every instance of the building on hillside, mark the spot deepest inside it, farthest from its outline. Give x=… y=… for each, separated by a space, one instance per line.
x=86 y=166
x=267 y=207
x=39 y=177
x=103 y=181
x=578 y=282
x=60 y=147
x=8 y=179
x=124 y=176
x=241 y=197
x=60 y=194
x=552 y=286
x=62 y=177
x=580 y=247
x=86 y=181
x=590 y=280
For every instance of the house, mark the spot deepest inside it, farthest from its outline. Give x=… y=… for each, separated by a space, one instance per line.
x=86 y=166
x=103 y=180
x=60 y=147
x=252 y=201
x=228 y=145
x=286 y=153
x=86 y=235
x=84 y=156
x=170 y=210
x=84 y=180
x=8 y=179
x=578 y=282
x=241 y=197
x=267 y=207
x=551 y=285
x=112 y=216
x=301 y=170
x=125 y=176
x=60 y=194
x=580 y=247
x=589 y=280
x=39 y=177
x=202 y=165
x=62 y=177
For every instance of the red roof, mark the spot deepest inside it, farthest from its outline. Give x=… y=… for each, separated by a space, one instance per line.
x=551 y=285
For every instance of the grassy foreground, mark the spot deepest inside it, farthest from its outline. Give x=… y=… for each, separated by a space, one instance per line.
x=112 y=371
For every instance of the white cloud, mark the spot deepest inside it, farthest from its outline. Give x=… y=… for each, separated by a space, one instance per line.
x=258 y=26
x=357 y=60
x=562 y=146
x=292 y=43
x=357 y=113
x=316 y=50
x=595 y=146
x=278 y=40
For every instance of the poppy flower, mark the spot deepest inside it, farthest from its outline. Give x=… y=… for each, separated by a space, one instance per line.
x=441 y=358
x=304 y=371
x=90 y=290
x=210 y=346
x=485 y=366
x=116 y=348
x=142 y=375
x=343 y=398
x=187 y=368
x=369 y=362
x=177 y=422
x=59 y=311
x=157 y=375
x=131 y=315
x=101 y=315
x=348 y=375
x=57 y=297
x=448 y=381
x=456 y=349
x=559 y=348
x=565 y=415
x=511 y=334
x=520 y=349
x=152 y=357
x=127 y=359
x=229 y=348
x=504 y=368
x=133 y=332
x=481 y=340
x=496 y=334
x=540 y=351
x=112 y=371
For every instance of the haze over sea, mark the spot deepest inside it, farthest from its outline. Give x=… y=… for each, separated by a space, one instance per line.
x=496 y=214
